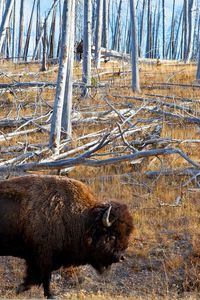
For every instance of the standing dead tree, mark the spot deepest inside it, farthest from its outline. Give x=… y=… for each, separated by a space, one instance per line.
x=21 y=29
x=64 y=75
x=42 y=30
x=86 y=76
x=98 y=36
x=25 y=54
x=5 y=21
x=134 y=48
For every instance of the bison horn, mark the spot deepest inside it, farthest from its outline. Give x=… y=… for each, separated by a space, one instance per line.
x=106 y=216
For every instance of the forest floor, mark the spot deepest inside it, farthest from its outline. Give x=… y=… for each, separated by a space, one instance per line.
x=163 y=258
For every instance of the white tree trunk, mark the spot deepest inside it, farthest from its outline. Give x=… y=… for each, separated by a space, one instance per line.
x=42 y=30
x=44 y=56
x=13 y=30
x=55 y=133
x=21 y=29
x=163 y=25
x=105 y=24
x=86 y=77
x=191 y=20
x=185 y=30
x=67 y=106
x=26 y=47
x=98 y=36
x=134 y=48
x=5 y=21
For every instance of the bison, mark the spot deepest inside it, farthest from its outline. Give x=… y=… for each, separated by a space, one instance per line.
x=51 y=221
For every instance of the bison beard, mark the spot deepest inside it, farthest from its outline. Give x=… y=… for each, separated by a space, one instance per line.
x=51 y=222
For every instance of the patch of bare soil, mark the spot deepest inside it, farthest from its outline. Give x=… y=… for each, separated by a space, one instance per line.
x=139 y=277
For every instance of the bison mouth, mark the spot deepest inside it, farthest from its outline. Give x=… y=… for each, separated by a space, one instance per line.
x=105 y=268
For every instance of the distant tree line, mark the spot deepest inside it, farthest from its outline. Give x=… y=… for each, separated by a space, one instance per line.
x=165 y=29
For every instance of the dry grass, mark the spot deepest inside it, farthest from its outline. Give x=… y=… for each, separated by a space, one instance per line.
x=163 y=257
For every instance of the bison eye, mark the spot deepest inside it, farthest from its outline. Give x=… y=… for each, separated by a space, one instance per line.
x=110 y=238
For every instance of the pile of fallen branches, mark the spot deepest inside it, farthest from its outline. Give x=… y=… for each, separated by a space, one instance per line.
x=126 y=136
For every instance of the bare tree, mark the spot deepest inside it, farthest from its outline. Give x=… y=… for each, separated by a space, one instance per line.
x=191 y=19
x=67 y=105
x=98 y=36
x=25 y=54
x=5 y=21
x=86 y=77
x=21 y=28
x=163 y=26
x=142 y=27
x=55 y=134
x=44 y=57
x=134 y=48
x=116 y=37
x=149 y=31
x=105 y=23
x=52 y=34
x=42 y=30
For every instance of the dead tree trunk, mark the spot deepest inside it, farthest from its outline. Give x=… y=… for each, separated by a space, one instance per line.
x=5 y=21
x=25 y=55
x=67 y=107
x=55 y=133
x=52 y=34
x=42 y=30
x=21 y=29
x=44 y=57
x=87 y=46
x=134 y=48
x=98 y=33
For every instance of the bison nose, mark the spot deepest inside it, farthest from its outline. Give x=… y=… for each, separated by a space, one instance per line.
x=122 y=258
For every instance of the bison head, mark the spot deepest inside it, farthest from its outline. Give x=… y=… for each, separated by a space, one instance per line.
x=109 y=234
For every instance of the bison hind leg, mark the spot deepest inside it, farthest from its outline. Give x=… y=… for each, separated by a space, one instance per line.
x=36 y=276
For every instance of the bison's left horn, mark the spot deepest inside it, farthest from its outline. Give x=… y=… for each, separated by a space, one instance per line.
x=106 y=216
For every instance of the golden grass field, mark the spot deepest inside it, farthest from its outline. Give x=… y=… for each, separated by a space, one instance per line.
x=163 y=259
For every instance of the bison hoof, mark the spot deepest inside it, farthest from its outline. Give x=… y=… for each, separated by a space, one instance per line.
x=50 y=296
x=22 y=288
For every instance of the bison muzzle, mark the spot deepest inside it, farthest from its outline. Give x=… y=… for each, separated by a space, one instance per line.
x=51 y=221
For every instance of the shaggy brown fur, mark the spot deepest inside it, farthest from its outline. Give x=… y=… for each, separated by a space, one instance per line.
x=52 y=221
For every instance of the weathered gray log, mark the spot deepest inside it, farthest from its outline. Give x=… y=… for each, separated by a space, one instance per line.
x=158 y=111
x=171 y=172
x=83 y=160
x=8 y=136
x=171 y=105
x=162 y=85
x=38 y=84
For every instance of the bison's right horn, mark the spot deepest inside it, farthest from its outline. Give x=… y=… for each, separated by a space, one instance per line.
x=106 y=216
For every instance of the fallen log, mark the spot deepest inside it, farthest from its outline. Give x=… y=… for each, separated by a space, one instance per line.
x=170 y=105
x=175 y=172
x=86 y=160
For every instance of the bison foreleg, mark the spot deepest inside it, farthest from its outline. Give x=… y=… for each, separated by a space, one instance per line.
x=46 y=286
